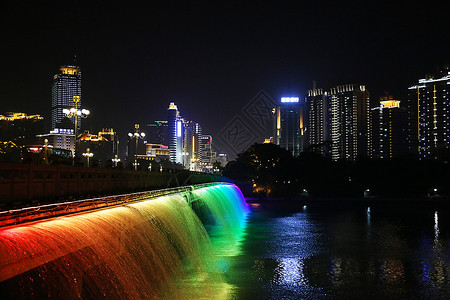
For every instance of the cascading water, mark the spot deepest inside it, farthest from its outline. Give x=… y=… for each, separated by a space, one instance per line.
x=226 y=219
x=149 y=249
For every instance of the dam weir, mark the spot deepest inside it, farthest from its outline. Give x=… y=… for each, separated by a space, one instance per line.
x=156 y=246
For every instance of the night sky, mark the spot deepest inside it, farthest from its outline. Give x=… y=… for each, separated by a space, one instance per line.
x=212 y=59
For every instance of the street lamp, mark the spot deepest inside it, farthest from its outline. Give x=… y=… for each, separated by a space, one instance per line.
x=76 y=113
x=115 y=160
x=88 y=154
x=136 y=135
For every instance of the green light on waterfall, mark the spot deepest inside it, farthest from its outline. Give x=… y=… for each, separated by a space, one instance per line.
x=136 y=250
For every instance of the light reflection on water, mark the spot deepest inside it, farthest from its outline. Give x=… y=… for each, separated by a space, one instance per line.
x=330 y=253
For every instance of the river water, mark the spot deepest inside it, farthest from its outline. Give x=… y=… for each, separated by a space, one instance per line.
x=342 y=252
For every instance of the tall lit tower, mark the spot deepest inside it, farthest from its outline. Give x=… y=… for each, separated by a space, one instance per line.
x=289 y=125
x=65 y=86
x=318 y=104
x=191 y=145
x=175 y=133
x=350 y=123
x=429 y=115
x=388 y=130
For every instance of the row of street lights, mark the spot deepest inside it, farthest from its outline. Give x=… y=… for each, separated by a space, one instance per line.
x=76 y=113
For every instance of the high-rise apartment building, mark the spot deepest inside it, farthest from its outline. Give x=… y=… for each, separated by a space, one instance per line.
x=318 y=105
x=350 y=124
x=65 y=86
x=429 y=116
x=207 y=155
x=288 y=125
x=191 y=145
x=388 y=130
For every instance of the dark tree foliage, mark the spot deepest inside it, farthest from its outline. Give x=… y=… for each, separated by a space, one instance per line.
x=273 y=171
x=270 y=168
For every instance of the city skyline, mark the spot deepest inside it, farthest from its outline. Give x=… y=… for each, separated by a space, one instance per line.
x=211 y=59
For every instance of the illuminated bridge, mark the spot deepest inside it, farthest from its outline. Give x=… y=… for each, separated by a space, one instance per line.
x=124 y=246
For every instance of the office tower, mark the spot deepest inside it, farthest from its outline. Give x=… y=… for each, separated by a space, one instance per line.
x=65 y=86
x=388 y=123
x=429 y=116
x=206 y=152
x=350 y=131
x=191 y=147
x=288 y=125
x=157 y=132
x=175 y=134
x=318 y=105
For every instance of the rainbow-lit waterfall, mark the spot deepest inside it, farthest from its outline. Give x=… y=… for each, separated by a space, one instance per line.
x=148 y=249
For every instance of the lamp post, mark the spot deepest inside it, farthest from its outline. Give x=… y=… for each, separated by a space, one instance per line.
x=115 y=160
x=76 y=113
x=88 y=154
x=46 y=151
x=136 y=135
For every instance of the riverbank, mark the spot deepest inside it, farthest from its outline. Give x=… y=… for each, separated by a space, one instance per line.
x=338 y=201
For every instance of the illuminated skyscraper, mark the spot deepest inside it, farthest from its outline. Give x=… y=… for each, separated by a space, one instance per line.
x=175 y=133
x=288 y=131
x=350 y=130
x=64 y=87
x=429 y=116
x=388 y=129
x=191 y=145
x=207 y=155
x=318 y=104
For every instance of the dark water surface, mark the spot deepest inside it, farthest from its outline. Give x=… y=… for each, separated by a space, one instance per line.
x=343 y=252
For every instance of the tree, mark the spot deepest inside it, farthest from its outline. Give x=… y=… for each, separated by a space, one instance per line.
x=268 y=166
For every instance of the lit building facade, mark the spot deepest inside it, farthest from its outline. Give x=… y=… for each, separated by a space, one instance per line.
x=191 y=145
x=388 y=130
x=175 y=133
x=350 y=123
x=318 y=105
x=20 y=128
x=65 y=86
x=207 y=155
x=153 y=153
x=103 y=146
x=288 y=125
x=59 y=138
x=429 y=116
x=157 y=152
